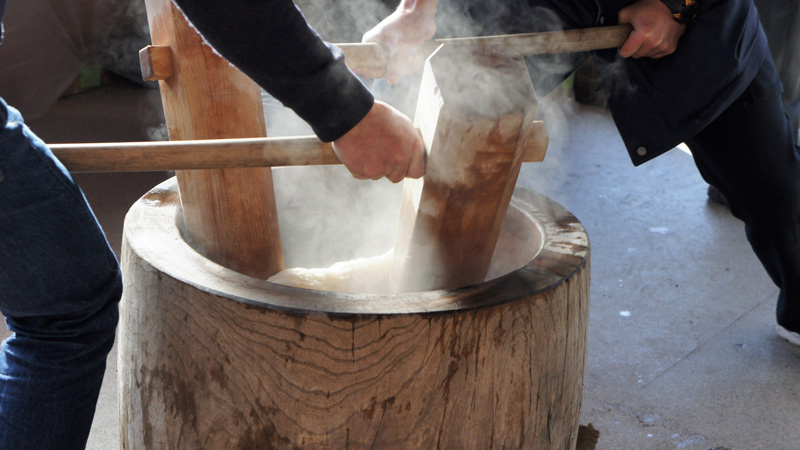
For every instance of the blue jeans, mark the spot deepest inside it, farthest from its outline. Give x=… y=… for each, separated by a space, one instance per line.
x=59 y=289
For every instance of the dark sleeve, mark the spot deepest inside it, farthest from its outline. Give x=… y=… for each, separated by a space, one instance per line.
x=271 y=42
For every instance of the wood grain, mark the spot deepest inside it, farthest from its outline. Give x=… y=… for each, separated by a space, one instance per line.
x=229 y=215
x=156 y=62
x=210 y=358
x=474 y=110
x=226 y=153
x=547 y=42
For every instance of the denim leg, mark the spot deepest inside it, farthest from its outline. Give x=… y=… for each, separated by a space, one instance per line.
x=59 y=289
x=749 y=155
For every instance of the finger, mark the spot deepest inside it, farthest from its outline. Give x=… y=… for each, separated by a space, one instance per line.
x=364 y=175
x=417 y=62
x=658 y=54
x=370 y=171
x=643 y=52
x=624 y=16
x=661 y=50
x=404 y=62
x=396 y=174
x=632 y=44
x=373 y=171
x=394 y=71
x=416 y=168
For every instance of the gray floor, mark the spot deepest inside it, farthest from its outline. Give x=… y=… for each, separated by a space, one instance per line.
x=682 y=351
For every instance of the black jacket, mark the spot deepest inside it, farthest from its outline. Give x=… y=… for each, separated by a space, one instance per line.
x=659 y=103
x=271 y=42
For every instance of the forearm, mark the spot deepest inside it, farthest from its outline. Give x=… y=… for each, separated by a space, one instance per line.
x=271 y=42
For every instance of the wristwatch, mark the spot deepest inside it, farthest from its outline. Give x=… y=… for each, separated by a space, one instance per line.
x=683 y=11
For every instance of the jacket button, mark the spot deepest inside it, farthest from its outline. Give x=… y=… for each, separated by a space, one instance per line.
x=641 y=151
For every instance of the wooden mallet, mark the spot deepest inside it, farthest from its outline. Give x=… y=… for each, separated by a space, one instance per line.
x=221 y=153
x=308 y=150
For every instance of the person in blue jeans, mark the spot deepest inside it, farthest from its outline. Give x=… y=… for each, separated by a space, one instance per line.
x=59 y=288
x=60 y=282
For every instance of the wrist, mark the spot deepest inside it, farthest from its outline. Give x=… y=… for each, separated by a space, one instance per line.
x=683 y=11
x=426 y=7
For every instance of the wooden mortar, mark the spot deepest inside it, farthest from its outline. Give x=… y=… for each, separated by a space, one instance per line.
x=214 y=359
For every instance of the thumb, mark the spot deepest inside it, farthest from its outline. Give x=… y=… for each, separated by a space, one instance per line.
x=416 y=168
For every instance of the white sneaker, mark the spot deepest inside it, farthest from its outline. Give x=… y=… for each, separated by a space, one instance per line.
x=791 y=336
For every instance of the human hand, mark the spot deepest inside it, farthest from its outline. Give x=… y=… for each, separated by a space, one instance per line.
x=384 y=143
x=655 y=33
x=403 y=33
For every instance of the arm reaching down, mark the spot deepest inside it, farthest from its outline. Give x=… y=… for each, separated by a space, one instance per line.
x=384 y=143
x=270 y=41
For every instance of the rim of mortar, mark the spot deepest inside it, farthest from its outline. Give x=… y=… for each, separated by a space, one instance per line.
x=564 y=252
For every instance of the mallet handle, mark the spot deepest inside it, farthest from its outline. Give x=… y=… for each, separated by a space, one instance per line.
x=308 y=150
x=528 y=44
x=222 y=153
x=194 y=154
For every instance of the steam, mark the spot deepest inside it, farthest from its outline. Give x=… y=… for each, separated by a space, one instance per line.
x=325 y=215
x=617 y=78
x=343 y=21
x=157 y=133
x=123 y=31
x=554 y=110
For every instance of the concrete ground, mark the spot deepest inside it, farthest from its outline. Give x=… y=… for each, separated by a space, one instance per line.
x=682 y=352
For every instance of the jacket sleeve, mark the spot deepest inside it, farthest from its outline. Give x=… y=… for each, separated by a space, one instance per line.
x=271 y=42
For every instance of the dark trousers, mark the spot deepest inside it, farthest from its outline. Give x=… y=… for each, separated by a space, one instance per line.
x=781 y=22
x=748 y=153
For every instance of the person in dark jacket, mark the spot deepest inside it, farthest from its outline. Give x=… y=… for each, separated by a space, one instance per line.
x=59 y=280
x=693 y=71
